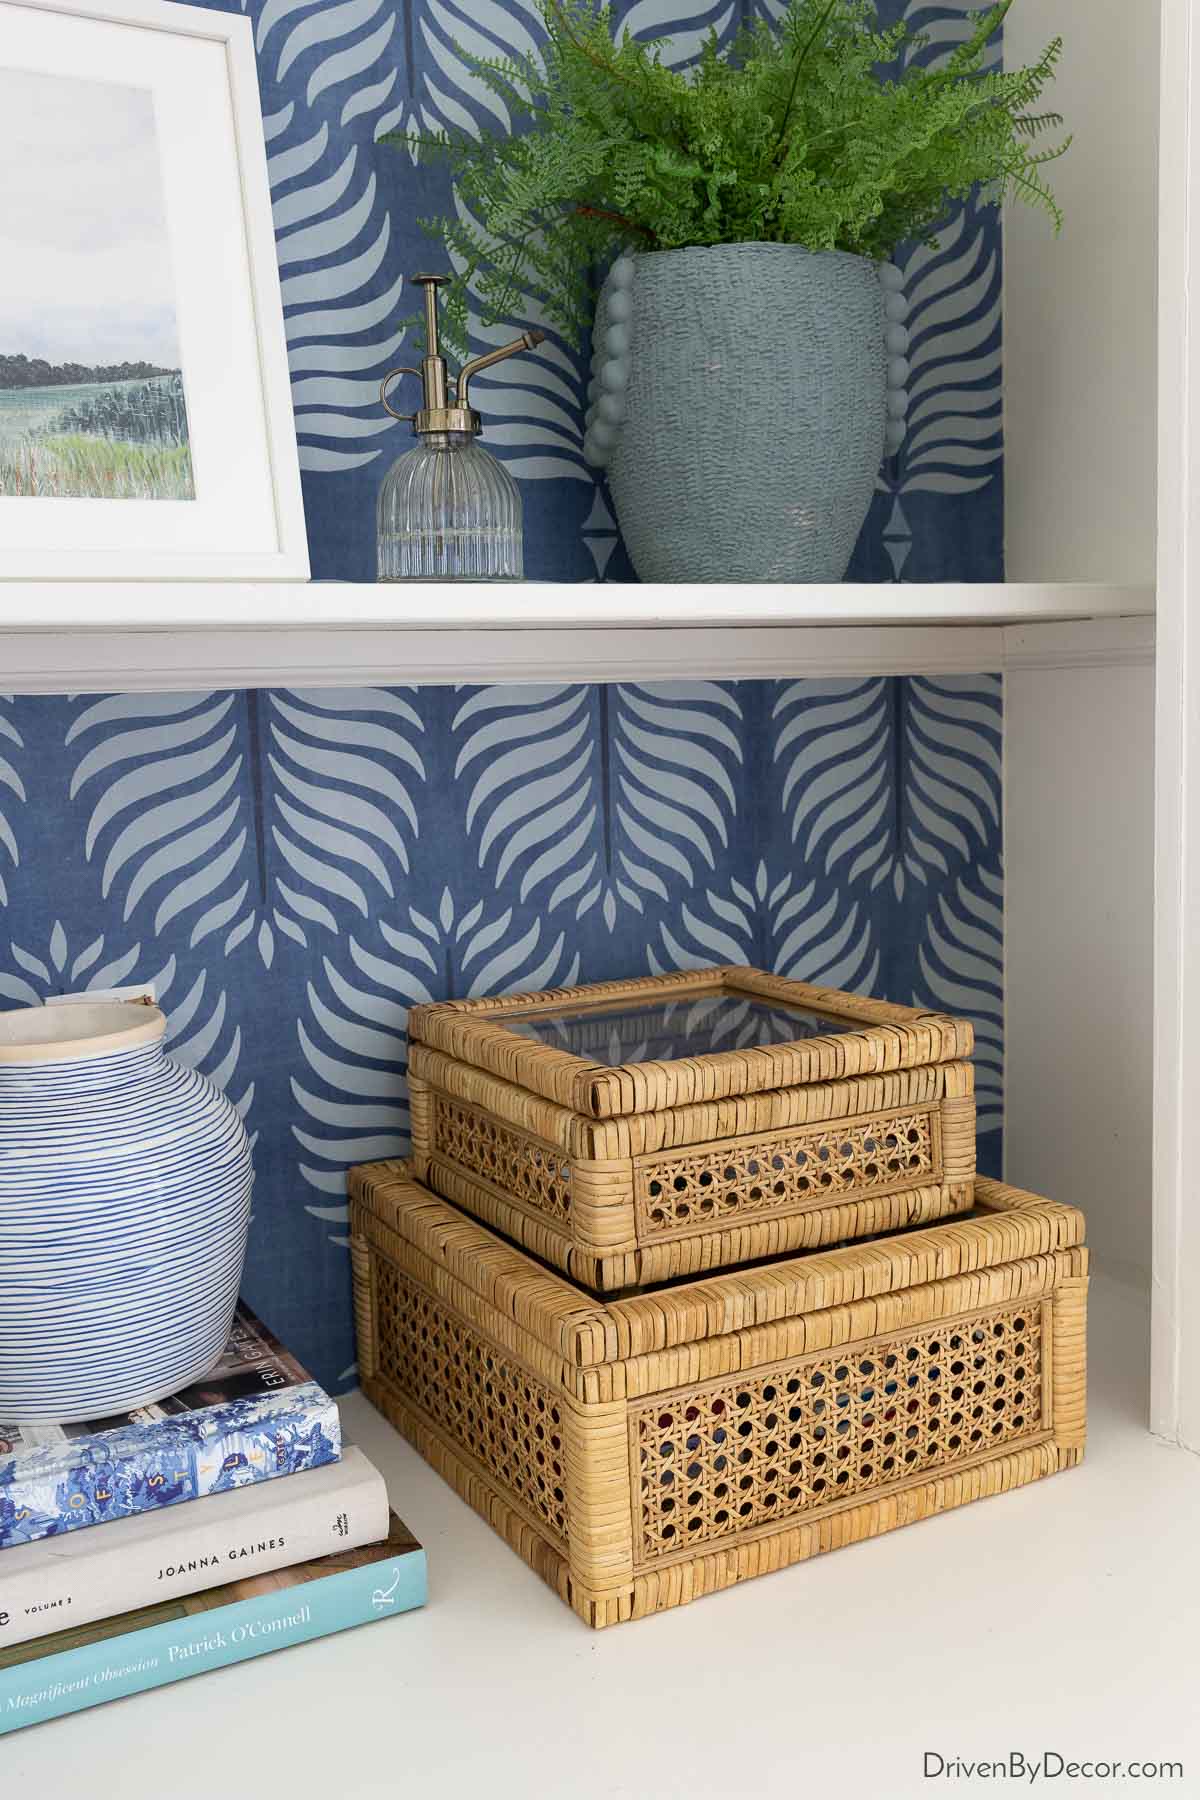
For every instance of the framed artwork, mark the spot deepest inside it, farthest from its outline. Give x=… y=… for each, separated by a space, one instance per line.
x=145 y=417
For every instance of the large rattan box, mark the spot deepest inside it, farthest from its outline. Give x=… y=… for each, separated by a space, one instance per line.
x=637 y=1131
x=641 y=1452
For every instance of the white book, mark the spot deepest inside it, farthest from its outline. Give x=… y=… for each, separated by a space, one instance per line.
x=128 y=1563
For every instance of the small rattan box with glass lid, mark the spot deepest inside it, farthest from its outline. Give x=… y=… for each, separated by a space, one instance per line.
x=635 y=1131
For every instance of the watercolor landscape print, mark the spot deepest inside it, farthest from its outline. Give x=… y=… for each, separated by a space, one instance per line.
x=91 y=388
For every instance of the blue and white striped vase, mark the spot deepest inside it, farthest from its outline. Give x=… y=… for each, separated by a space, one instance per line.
x=124 y=1204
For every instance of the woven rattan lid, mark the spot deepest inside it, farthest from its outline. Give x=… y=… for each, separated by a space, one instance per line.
x=1006 y=1225
x=669 y=1040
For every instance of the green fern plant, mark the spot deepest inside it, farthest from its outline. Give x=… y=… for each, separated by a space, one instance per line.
x=794 y=134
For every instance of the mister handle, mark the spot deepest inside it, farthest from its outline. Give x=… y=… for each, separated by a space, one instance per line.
x=528 y=340
x=394 y=375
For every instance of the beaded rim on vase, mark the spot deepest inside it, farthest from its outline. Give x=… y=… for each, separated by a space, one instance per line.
x=49 y=1034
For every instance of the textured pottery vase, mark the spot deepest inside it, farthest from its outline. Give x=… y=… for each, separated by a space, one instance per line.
x=124 y=1204
x=740 y=400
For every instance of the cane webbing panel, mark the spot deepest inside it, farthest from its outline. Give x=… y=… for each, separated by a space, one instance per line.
x=783 y=1170
x=524 y=1167
x=717 y=1461
x=486 y=1403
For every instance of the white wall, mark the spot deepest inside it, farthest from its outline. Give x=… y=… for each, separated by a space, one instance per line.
x=1079 y=877
x=1175 y=1381
x=1080 y=335
x=1079 y=312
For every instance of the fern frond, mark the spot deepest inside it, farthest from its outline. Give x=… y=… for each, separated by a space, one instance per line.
x=1032 y=125
x=1025 y=181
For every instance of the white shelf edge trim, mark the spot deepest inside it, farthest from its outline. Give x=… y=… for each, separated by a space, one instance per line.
x=185 y=660
x=181 y=605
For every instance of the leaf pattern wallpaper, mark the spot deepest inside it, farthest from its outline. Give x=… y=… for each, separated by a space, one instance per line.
x=295 y=869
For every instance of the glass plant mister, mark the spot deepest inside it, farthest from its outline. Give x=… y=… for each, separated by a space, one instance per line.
x=448 y=511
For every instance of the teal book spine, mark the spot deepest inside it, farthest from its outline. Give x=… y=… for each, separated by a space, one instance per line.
x=155 y=1655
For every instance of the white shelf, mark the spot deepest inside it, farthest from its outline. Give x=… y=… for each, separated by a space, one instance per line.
x=91 y=637
x=423 y=606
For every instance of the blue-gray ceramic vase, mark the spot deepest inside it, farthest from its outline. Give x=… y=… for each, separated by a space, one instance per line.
x=740 y=403
x=125 y=1185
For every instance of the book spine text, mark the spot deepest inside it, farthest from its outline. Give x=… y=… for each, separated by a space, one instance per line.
x=159 y=1654
x=114 y=1568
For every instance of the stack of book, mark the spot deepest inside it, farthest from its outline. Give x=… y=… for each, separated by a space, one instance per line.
x=220 y=1524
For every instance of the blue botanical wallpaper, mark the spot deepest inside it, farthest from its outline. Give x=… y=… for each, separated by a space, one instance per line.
x=336 y=74
x=295 y=869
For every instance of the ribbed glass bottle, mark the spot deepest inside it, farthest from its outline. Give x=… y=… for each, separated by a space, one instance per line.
x=448 y=511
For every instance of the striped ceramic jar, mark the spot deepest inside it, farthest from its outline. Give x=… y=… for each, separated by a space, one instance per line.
x=124 y=1204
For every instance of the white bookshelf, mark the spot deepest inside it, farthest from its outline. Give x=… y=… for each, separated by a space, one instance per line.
x=1093 y=635
x=481 y=1693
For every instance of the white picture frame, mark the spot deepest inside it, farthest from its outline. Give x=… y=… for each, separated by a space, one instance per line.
x=243 y=517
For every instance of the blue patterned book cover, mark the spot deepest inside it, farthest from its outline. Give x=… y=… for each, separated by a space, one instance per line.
x=255 y=1416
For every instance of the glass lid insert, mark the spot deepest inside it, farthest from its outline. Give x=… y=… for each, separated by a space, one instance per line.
x=657 y=1030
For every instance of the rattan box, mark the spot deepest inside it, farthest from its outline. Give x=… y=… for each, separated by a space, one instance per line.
x=633 y=1132
x=639 y=1453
